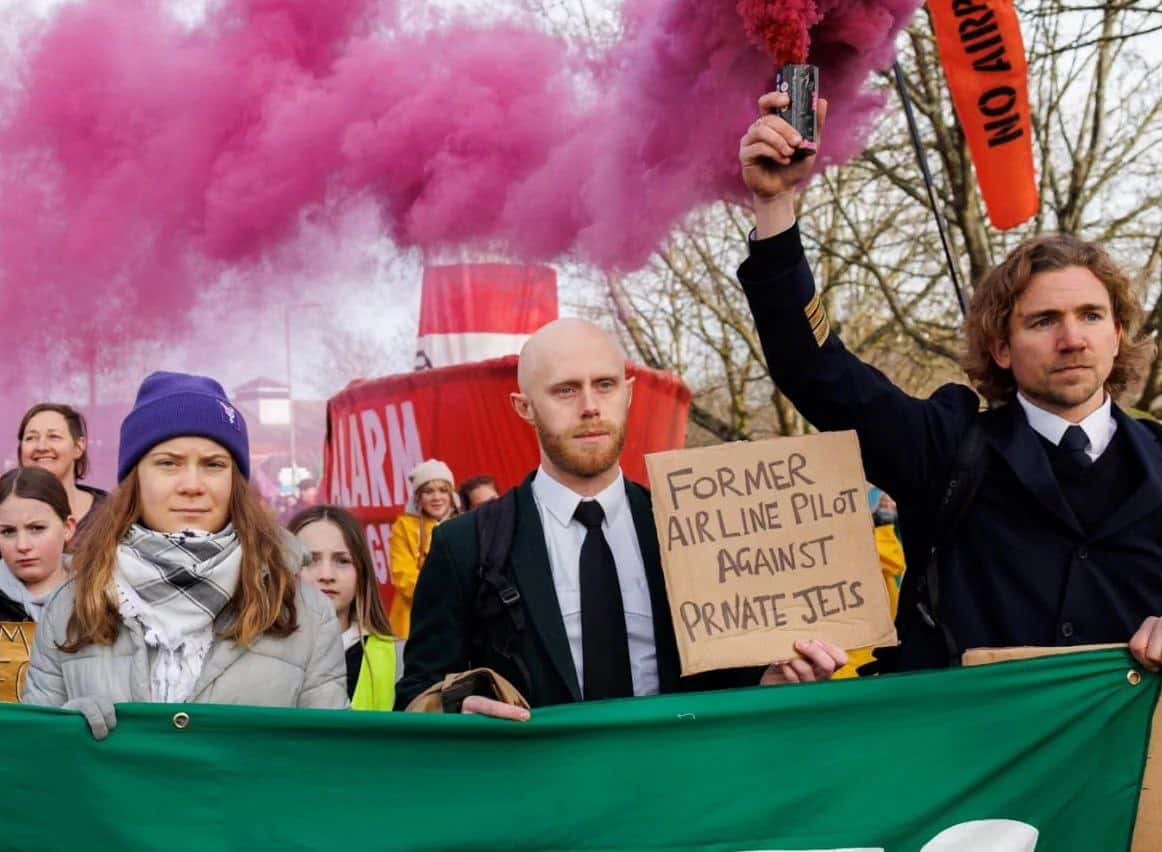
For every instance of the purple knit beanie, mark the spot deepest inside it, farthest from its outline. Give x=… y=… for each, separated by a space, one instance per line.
x=177 y=405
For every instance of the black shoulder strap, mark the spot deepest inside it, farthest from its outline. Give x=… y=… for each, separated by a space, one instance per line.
x=500 y=613
x=495 y=527
x=963 y=484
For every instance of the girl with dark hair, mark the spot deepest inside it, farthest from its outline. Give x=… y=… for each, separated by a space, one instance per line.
x=35 y=528
x=185 y=589
x=55 y=437
x=341 y=568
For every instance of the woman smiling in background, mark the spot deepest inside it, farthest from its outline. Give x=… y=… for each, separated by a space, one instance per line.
x=433 y=501
x=55 y=437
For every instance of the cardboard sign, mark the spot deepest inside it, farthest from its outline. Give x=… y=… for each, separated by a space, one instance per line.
x=15 y=650
x=765 y=543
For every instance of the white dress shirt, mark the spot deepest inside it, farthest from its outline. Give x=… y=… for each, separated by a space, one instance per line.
x=563 y=539
x=1099 y=426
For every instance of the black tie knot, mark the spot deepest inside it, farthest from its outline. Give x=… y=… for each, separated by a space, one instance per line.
x=1074 y=439
x=1074 y=443
x=590 y=514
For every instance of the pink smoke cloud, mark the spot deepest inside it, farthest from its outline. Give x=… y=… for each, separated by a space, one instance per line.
x=142 y=158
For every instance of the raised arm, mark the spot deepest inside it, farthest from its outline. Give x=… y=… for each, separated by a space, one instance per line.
x=906 y=442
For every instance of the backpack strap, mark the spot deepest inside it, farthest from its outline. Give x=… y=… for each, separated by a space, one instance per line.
x=500 y=613
x=959 y=493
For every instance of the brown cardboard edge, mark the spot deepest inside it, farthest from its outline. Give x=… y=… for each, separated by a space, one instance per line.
x=886 y=640
x=984 y=656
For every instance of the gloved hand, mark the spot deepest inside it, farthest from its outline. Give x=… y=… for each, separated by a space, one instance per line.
x=98 y=712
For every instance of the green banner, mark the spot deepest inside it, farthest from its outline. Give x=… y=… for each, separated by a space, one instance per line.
x=1045 y=755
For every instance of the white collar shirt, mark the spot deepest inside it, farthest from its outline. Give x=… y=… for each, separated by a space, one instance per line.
x=1099 y=426
x=350 y=637
x=563 y=539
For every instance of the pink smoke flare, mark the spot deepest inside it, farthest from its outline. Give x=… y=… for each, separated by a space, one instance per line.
x=142 y=158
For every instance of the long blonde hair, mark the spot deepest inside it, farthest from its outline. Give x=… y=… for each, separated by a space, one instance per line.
x=264 y=602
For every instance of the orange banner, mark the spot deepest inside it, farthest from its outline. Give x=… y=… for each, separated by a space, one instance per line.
x=984 y=61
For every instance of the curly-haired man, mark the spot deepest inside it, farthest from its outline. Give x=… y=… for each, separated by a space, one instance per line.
x=1035 y=522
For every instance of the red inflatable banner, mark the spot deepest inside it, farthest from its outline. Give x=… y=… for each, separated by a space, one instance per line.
x=378 y=430
x=984 y=61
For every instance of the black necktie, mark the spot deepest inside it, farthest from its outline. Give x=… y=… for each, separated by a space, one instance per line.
x=1074 y=442
x=604 y=645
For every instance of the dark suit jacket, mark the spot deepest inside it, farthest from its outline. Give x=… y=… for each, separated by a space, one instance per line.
x=444 y=623
x=1021 y=569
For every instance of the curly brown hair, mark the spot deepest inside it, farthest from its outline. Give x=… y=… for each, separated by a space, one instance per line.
x=997 y=293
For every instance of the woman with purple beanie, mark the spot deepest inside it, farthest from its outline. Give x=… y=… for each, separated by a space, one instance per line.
x=185 y=589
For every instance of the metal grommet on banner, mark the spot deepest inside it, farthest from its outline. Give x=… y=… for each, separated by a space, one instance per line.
x=1134 y=677
x=181 y=721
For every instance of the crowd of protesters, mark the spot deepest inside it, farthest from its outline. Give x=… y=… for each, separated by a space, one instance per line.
x=181 y=585
x=1035 y=522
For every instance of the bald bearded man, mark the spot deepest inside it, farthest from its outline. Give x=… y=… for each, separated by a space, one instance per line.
x=584 y=557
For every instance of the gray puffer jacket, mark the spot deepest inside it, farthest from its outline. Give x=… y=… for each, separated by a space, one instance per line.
x=305 y=669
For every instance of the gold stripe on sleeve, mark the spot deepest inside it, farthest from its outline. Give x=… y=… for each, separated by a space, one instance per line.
x=817 y=317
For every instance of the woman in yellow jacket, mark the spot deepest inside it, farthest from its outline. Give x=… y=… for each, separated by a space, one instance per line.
x=433 y=501
x=341 y=568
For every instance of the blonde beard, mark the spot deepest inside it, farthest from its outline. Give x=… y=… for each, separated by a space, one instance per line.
x=582 y=464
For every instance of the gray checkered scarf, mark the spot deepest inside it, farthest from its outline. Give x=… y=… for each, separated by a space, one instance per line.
x=174 y=585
